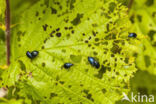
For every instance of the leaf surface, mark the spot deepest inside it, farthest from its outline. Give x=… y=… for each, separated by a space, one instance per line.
x=69 y=32
x=143 y=17
x=2 y=8
x=2 y=48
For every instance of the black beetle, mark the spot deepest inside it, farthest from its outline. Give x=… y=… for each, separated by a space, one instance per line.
x=93 y=62
x=29 y=54
x=96 y=64
x=32 y=55
x=68 y=65
x=132 y=35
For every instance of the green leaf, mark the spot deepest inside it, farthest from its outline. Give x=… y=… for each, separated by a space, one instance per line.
x=143 y=17
x=2 y=54
x=2 y=8
x=18 y=7
x=2 y=48
x=124 y=2
x=71 y=31
x=147 y=88
x=12 y=101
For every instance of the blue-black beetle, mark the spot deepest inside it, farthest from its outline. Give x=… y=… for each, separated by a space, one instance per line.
x=32 y=55
x=93 y=62
x=132 y=35
x=96 y=64
x=68 y=65
x=29 y=54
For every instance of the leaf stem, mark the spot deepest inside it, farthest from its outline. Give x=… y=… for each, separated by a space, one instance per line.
x=130 y=4
x=7 y=32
